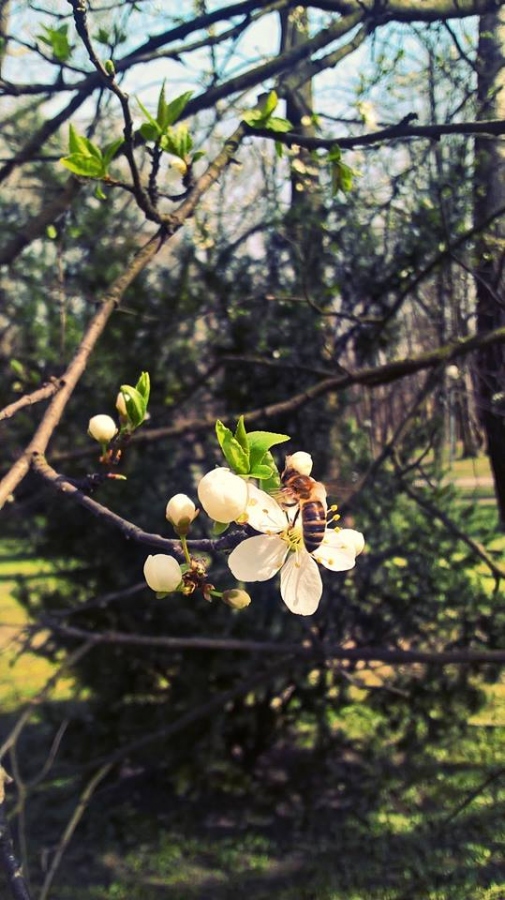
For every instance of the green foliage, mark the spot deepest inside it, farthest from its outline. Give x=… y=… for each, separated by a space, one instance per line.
x=342 y=175
x=86 y=158
x=262 y=116
x=57 y=39
x=248 y=454
x=176 y=141
x=136 y=400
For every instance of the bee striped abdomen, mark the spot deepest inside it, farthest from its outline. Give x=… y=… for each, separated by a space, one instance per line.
x=313 y=523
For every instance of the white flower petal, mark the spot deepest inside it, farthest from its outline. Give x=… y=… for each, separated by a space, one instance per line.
x=301 y=585
x=339 y=549
x=258 y=558
x=263 y=513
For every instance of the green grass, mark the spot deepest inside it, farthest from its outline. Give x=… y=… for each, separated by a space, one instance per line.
x=22 y=673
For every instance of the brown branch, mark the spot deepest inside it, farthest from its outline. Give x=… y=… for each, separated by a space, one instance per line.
x=42 y=436
x=42 y=393
x=329 y=651
x=401 y=131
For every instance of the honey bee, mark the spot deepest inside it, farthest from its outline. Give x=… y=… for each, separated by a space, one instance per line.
x=310 y=497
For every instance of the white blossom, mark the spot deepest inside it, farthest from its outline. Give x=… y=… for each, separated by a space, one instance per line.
x=300 y=461
x=102 y=428
x=162 y=573
x=181 y=511
x=280 y=548
x=223 y=495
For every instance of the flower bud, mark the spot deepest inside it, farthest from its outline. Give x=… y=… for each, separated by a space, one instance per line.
x=300 y=461
x=162 y=573
x=121 y=405
x=180 y=512
x=236 y=598
x=102 y=428
x=223 y=495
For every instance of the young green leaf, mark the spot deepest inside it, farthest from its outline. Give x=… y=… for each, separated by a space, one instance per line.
x=236 y=456
x=260 y=442
x=176 y=107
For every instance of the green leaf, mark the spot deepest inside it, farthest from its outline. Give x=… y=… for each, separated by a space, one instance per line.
x=149 y=132
x=269 y=104
x=77 y=143
x=273 y=483
x=57 y=40
x=241 y=434
x=177 y=141
x=135 y=405
x=278 y=125
x=110 y=150
x=99 y=194
x=87 y=166
x=143 y=386
x=261 y=472
x=176 y=107
x=151 y=120
x=236 y=456
x=260 y=442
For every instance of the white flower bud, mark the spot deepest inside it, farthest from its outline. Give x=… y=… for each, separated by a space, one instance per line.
x=180 y=512
x=452 y=372
x=223 y=495
x=236 y=598
x=162 y=573
x=300 y=461
x=102 y=428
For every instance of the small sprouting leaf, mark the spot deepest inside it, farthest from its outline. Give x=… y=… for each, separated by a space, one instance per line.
x=99 y=194
x=236 y=456
x=102 y=36
x=152 y=121
x=269 y=104
x=110 y=150
x=87 y=166
x=135 y=405
x=261 y=472
x=143 y=386
x=149 y=132
x=176 y=107
x=260 y=442
x=281 y=126
x=52 y=232
x=241 y=434
x=57 y=40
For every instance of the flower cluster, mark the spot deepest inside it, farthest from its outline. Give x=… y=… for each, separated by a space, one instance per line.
x=277 y=548
x=288 y=513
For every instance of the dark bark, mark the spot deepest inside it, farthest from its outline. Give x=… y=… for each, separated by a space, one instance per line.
x=490 y=250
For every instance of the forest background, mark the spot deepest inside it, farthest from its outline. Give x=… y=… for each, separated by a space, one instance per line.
x=291 y=212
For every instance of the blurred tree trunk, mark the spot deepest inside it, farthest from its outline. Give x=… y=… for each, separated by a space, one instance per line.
x=303 y=225
x=489 y=198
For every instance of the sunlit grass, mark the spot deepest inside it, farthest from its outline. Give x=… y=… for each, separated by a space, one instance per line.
x=22 y=672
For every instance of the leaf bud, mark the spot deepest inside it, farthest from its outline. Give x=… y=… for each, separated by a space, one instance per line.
x=102 y=428
x=236 y=598
x=162 y=573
